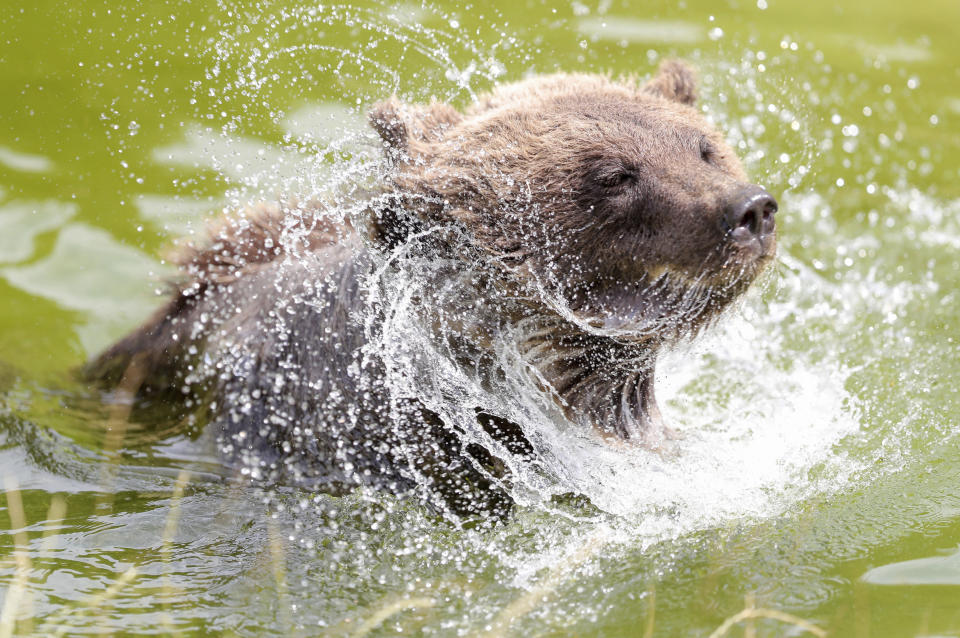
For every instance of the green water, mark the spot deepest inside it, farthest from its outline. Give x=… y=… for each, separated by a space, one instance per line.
x=125 y=125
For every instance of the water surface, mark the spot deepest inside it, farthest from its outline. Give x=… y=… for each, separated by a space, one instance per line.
x=817 y=470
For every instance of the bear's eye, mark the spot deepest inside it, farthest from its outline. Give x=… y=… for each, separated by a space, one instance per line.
x=707 y=152
x=617 y=178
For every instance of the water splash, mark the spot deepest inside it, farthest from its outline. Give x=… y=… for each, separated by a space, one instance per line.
x=740 y=453
x=772 y=407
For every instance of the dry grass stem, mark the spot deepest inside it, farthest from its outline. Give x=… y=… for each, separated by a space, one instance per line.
x=752 y=613
x=278 y=561
x=91 y=603
x=385 y=612
x=166 y=554
x=529 y=601
x=118 y=421
x=18 y=594
x=750 y=629
x=651 y=613
x=55 y=514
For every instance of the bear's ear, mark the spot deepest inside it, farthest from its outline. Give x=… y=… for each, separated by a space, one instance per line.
x=407 y=129
x=675 y=80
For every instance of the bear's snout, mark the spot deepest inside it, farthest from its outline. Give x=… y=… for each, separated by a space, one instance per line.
x=748 y=219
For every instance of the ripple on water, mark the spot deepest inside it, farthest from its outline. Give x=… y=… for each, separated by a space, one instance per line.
x=72 y=276
x=24 y=162
x=22 y=221
x=624 y=29
x=936 y=570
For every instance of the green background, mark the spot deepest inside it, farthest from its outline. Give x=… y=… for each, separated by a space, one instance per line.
x=126 y=125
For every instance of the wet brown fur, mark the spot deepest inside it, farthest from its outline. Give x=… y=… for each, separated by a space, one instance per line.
x=594 y=209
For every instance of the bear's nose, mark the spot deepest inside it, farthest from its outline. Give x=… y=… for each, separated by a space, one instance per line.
x=750 y=214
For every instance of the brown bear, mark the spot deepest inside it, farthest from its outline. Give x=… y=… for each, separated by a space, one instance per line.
x=578 y=222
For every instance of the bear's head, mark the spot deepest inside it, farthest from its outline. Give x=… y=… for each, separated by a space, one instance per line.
x=621 y=202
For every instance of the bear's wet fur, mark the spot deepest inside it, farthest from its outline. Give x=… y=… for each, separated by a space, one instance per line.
x=589 y=220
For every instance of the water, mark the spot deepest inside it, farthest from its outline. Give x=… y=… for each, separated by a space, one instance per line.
x=817 y=461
